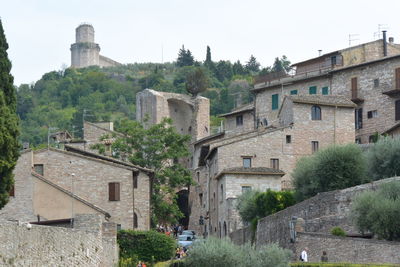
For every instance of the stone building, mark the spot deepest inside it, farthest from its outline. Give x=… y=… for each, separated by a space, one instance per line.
x=85 y=52
x=262 y=158
x=368 y=74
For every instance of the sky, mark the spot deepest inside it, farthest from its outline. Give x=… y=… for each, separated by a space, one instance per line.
x=40 y=32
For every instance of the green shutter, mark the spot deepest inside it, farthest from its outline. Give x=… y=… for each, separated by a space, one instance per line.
x=313 y=90
x=275 y=101
x=325 y=90
x=293 y=92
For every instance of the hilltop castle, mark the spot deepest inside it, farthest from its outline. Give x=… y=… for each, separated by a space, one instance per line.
x=85 y=52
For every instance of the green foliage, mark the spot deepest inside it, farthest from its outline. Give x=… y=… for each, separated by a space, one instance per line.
x=253 y=205
x=338 y=264
x=222 y=252
x=384 y=158
x=378 y=211
x=128 y=262
x=9 y=130
x=148 y=246
x=281 y=64
x=336 y=167
x=196 y=81
x=157 y=147
x=185 y=58
x=338 y=231
x=252 y=65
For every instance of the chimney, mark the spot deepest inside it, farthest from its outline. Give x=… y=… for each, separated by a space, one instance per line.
x=384 y=43
x=391 y=40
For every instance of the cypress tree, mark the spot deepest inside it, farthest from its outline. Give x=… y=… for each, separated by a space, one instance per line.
x=8 y=123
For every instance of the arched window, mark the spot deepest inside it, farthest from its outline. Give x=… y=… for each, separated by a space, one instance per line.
x=135 y=220
x=315 y=113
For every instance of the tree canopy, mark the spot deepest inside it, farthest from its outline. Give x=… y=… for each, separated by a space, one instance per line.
x=9 y=146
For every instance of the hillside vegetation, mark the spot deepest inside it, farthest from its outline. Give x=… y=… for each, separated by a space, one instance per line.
x=61 y=100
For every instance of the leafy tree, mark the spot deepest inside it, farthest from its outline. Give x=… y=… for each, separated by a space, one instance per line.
x=8 y=122
x=336 y=167
x=223 y=70
x=196 y=81
x=252 y=65
x=378 y=211
x=208 y=62
x=281 y=64
x=157 y=147
x=238 y=69
x=384 y=158
x=185 y=58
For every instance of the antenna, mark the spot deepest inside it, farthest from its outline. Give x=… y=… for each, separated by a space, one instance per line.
x=381 y=27
x=353 y=37
x=319 y=52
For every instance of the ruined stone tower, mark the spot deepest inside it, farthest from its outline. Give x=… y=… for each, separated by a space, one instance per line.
x=85 y=52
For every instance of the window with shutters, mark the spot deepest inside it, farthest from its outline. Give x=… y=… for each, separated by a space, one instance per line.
x=354 y=88
x=312 y=90
x=275 y=101
x=135 y=179
x=397 y=108
x=38 y=168
x=239 y=120
x=113 y=192
x=315 y=113
x=397 y=78
x=314 y=146
x=372 y=114
x=275 y=164
x=293 y=92
x=358 y=118
x=325 y=90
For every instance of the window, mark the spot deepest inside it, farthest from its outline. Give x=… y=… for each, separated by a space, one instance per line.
x=246 y=162
x=113 y=192
x=333 y=60
x=354 y=88
x=214 y=200
x=246 y=188
x=275 y=101
x=135 y=179
x=376 y=83
x=198 y=176
x=397 y=78
x=372 y=114
x=314 y=146
x=135 y=220
x=288 y=139
x=325 y=90
x=293 y=92
x=222 y=193
x=239 y=120
x=397 y=110
x=38 y=168
x=119 y=227
x=275 y=164
x=315 y=113
x=358 y=140
x=358 y=118
x=12 y=191
x=201 y=199
x=312 y=90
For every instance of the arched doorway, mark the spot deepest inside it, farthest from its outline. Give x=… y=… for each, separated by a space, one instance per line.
x=183 y=204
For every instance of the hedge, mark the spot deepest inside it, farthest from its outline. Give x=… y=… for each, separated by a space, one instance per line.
x=338 y=264
x=148 y=246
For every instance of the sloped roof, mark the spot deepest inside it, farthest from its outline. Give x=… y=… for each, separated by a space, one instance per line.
x=40 y=177
x=323 y=100
x=394 y=127
x=251 y=171
x=241 y=109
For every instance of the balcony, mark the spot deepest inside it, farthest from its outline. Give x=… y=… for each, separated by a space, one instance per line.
x=392 y=92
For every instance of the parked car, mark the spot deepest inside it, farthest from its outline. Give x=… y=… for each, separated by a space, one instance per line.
x=185 y=240
x=189 y=232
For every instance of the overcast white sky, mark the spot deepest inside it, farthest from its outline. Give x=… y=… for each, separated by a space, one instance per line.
x=40 y=32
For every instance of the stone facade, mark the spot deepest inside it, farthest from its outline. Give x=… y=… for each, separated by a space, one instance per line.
x=74 y=183
x=92 y=245
x=239 y=120
x=85 y=52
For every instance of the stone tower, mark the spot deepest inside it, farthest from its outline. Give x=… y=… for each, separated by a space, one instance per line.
x=84 y=52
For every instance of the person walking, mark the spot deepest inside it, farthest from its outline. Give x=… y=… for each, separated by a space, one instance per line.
x=303 y=255
x=324 y=257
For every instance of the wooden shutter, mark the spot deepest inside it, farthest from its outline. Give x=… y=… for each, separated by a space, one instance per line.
x=397 y=78
x=397 y=110
x=354 y=88
x=113 y=192
x=117 y=193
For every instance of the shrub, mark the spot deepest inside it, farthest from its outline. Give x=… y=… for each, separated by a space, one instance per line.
x=220 y=253
x=338 y=231
x=378 y=211
x=335 y=167
x=338 y=264
x=384 y=158
x=148 y=246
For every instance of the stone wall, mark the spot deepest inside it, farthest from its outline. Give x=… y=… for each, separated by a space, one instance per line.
x=346 y=249
x=241 y=236
x=56 y=246
x=230 y=126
